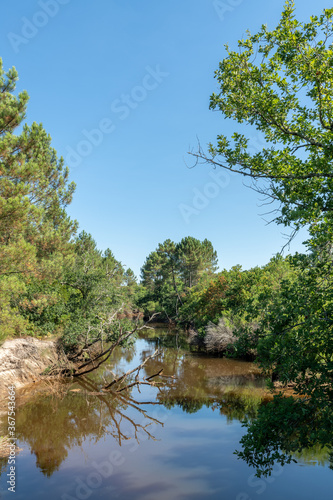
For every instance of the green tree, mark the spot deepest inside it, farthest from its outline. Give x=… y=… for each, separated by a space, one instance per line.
x=161 y=280
x=238 y=297
x=281 y=82
x=98 y=288
x=172 y=270
x=34 y=190
x=194 y=259
x=35 y=231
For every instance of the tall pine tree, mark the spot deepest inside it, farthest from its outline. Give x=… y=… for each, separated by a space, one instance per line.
x=35 y=231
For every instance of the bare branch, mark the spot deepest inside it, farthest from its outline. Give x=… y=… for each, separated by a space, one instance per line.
x=138 y=368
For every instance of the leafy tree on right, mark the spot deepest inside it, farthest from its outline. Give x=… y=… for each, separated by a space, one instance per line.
x=281 y=82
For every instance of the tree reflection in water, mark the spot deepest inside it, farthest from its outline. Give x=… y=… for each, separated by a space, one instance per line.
x=53 y=424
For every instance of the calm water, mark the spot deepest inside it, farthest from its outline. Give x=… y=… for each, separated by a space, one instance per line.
x=80 y=445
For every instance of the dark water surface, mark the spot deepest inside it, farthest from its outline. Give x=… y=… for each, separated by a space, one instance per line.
x=82 y=445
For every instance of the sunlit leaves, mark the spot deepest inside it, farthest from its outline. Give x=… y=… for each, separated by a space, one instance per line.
x=35 y=231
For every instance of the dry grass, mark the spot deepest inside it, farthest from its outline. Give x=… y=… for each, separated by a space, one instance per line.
x=219 y=337
x=4 y=447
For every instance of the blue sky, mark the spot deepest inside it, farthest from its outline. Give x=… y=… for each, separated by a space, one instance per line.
x=123 y=88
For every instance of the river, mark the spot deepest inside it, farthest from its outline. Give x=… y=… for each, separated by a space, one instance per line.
x=175 y=441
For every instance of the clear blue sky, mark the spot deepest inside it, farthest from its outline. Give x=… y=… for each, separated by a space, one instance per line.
x=141 y=72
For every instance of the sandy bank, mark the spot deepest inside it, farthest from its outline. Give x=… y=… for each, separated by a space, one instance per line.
x=23 y=360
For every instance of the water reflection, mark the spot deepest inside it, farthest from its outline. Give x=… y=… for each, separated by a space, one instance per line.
x=53 y=424
x=316 y=455
x=76 y=414
x=3 y=465
x=234 y=388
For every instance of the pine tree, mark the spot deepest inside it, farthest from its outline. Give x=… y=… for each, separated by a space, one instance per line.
x=35 y=231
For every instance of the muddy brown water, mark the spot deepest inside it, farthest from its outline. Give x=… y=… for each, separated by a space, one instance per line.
x=178 y=444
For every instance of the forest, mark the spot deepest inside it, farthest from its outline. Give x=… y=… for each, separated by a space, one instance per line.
x=55 y=282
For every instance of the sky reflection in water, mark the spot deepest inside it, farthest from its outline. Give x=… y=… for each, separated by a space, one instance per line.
x=83 y=446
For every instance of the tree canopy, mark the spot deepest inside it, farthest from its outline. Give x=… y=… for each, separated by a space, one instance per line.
x=35 y=231
x=172 y=270
x=34 y=189
x=280 y=81
x=50 y=280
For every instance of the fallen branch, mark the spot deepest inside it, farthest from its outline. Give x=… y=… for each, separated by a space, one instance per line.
x=144 y=382
x=68 y=368
x=138 y=368
x=114 y=411
x=155 y=375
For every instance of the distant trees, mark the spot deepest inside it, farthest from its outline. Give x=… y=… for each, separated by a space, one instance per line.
x=195 y=258
x=172 y=270
x=233 y=303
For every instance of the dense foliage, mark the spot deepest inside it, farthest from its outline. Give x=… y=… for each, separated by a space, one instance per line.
x=98 y=289
x=280 y=82
x=50 y=280
x=172 y=270
x=35 y=231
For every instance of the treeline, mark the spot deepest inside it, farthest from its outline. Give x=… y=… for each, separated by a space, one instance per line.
x=227 y=311
x=52 y=280
x=170 y=273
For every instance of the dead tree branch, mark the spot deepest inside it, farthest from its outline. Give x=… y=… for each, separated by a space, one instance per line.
x=137 y=369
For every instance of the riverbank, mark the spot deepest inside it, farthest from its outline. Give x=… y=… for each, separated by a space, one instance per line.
x=23 y=360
